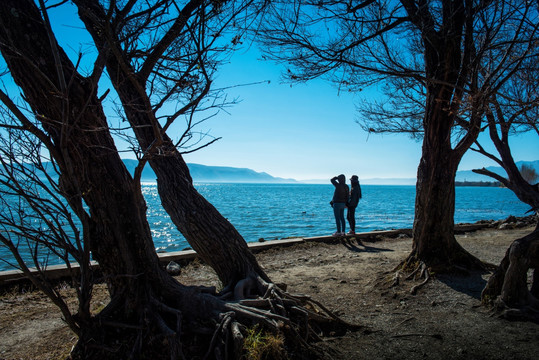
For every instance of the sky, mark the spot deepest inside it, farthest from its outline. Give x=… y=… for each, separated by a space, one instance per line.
x=310 y=131
x=303 y=131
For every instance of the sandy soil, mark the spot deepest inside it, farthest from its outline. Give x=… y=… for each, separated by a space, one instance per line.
x=445 y=320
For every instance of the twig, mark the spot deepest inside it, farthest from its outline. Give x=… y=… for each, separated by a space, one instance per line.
x=405 y=320
x=436 y=336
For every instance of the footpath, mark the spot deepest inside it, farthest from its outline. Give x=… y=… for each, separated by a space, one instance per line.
x=58 y=272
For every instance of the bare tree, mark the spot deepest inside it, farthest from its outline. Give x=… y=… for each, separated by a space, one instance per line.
x=148 y=308
x=529 y=173
x=37 y=225
x=427 y=56
x=170 y=64
x=513 y=109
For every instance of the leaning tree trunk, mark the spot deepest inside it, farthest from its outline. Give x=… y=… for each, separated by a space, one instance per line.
x=149 y=315
x=142 y=294
x=508 y=288
x=211 y=235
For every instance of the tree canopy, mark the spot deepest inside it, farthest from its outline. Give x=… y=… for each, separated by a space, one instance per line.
x=438 y=64
x=159 y=57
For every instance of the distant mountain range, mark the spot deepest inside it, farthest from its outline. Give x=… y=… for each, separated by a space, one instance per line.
x=469 y=175
x=462 y=176
x=217 y=174
x=225 y=174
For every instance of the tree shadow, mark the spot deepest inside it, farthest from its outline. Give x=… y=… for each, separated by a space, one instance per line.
x=359 y=246
x=472 y=284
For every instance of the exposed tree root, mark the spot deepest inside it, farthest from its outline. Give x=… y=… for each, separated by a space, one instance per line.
x=523 y=313
x=507 y=289
x=194 y=323
x=424 y=274
x=415 y=270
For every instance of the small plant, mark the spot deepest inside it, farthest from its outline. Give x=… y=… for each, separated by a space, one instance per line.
x=488 y=300
x=260 y=345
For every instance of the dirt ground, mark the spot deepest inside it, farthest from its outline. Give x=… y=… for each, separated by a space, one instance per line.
x=445 y=320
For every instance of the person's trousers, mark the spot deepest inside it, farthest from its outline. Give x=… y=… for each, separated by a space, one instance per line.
x=338 y=211
x=351 y=216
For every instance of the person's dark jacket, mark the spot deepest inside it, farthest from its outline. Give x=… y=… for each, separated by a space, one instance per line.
x=341 y=189
x=355 y=195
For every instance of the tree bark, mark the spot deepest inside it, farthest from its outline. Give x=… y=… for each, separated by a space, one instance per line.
x=211 y=235
x=508 y=286
x=446 y=67
x=149 y=315
x=93 y=175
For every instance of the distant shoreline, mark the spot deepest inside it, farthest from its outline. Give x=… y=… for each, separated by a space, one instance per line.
x=479 y=183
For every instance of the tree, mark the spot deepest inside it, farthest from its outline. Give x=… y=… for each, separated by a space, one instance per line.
x=176 y=67
x=528 y=173
x=513 y=109
x=149 y=312
x=428 y=53
x=36 y=224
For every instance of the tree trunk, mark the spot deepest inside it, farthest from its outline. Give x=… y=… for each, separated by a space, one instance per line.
x=434 y=240
x=508 y=286
x=93 y=173
x=211 y=235
x=83 y=147
x=149 y=315
x=447 y=69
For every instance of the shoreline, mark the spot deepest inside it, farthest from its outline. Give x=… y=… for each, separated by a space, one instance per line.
x=352 y=278
x=10 y=278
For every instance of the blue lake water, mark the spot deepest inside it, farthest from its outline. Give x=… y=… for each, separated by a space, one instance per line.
x=274 y=211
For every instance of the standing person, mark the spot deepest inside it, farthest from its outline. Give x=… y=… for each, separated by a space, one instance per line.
x=340 y=197
x=353 y=200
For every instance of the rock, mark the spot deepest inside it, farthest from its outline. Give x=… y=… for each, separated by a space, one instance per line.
x=506 y=226
x=174 y=269
x=511 y=219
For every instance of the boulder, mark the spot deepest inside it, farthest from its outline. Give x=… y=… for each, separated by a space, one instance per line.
x=174 y=269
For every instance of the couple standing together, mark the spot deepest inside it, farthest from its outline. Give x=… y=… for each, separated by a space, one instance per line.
x=345 y=198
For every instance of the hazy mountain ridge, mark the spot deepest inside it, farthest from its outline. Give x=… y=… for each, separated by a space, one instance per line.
x=226 y=174
x=205 y=173
x=469 y=175
x=461 y=176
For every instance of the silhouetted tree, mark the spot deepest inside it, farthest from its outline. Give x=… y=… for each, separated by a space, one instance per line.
x=36 y=223
x=159 y=58
x=150 y=314
x=427 y=57
x=513 y=109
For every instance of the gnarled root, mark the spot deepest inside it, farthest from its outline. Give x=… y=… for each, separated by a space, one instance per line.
x=301 y=320
x=415 y=270
x=508 y=288
x=185 y=322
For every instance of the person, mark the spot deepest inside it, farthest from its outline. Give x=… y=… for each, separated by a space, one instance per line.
x=340 y=197
x=353 y=200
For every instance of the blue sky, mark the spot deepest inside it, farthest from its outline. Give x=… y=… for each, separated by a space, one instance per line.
x=309 y=131
x=305 y=131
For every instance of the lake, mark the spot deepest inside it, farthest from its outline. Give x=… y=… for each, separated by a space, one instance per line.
x=275 y=211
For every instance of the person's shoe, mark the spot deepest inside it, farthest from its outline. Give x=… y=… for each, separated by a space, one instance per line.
x=351 y=232
x=337 y=234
